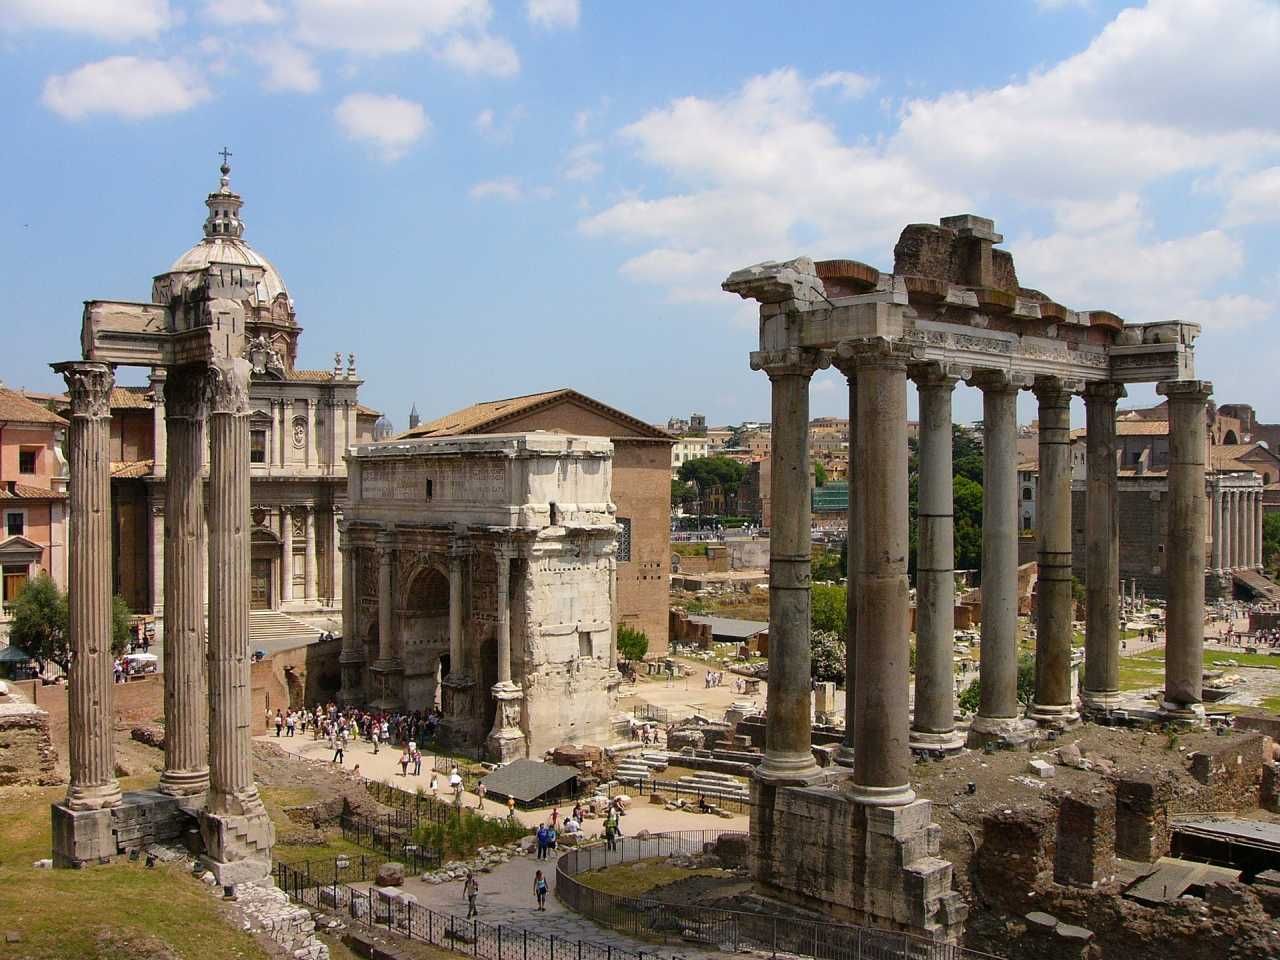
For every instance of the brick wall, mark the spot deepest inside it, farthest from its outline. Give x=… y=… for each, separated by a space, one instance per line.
x=1015 y=856
x=1142 y=818
x=1143 y=517
x=1085 y=845
x=136 y=702
x=1230 y=774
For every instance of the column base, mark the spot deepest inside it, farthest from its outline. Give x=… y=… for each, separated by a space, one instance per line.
x=188 y=788
x=506 y=740
x=238 y=845
x=898 y=796
x=1053 y=715
x=844 y=758
x=922 y=741
x=789 y=769
x=1182 y=712
x=1008 y=731
x=101 y=797
x=1099 y=702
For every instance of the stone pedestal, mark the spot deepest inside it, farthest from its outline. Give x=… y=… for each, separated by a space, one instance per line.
x=457 y=695
x=90 y=719
x=506 y=740
x=86 y=837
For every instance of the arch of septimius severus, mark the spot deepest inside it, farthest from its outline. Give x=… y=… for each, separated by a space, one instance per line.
x=952 y=310
x=196 y=333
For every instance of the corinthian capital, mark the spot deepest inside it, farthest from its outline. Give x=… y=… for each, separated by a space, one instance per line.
x=89 y=387
x=186 y=396
x=227 y=385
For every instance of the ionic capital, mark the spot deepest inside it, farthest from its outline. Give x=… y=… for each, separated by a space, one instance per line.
x=186 y=394
x=1055 y=391
x=1104 y=391
x=791 y=362
x=89 y=387
x=1185 y=391
x=1000 y=381
x=935 y=374
x=881 y=352
x=227 y=385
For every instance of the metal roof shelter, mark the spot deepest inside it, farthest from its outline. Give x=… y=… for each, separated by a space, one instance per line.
x=532 y=782
x=1249 y=845
x=729 y=630
x=1172 y=878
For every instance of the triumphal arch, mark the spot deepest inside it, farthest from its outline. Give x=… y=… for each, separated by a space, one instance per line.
x=483 y=579
x=951 y=311
x=195 y=330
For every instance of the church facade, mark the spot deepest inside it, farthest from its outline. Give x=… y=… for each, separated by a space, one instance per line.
x=303 y=421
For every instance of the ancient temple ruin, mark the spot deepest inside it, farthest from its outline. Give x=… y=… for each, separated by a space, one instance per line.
x=482 y=578
x=952 y=310
x=196 y=331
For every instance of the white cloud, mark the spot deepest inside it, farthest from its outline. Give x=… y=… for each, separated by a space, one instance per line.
x=581 y=162
x=552 y=14
x=385 y=26
x=288 y=69
x=497 y=129
x=129 y=87
x=503 y=188
x=850 y=86
x=108 y=19
x=481 y=54
x=1254 y=198
x=239 y=12
x=390 y=123
x=581 y=121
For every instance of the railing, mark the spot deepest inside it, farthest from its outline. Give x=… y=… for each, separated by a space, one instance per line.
x=391 y=836
x=417 y=806
x=485 y=941
x=674 y=788
x=726 y=930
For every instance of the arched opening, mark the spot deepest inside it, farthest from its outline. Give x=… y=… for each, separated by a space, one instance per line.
x=1229 y=437
x=424 y=636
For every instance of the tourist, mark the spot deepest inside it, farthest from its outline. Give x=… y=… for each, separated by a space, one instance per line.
x=435 y=785
x=480 y=792
x=511 y=808
x=339 y=741
x=542 y=841
x=290 y=724
x=703 y=806
x=470 y=890
x=404 y=763
x=540 y=890
x=555 y=816
x=611 y=833
x=572 y=826
x=279 y=723
x=416 y=755
x=551 y=838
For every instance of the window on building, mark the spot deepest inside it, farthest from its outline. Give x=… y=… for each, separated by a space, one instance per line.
x=27 y=460
x=430 y=490
x=1026 y=493
x=1026 y=523
x=15 y=524
x=257 y=446
x=15 y=581
x=624 y=539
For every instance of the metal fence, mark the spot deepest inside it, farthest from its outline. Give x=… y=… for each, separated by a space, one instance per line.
x=390 y=837
x=726 y=930
x=418 y=807
x=484 y=941
x=673 y=788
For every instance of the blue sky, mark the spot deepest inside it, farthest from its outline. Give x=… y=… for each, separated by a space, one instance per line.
x=482 y=198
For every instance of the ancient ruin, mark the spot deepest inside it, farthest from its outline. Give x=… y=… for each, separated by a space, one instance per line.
x=952 y=310
x=197 y=331
x=482 y=575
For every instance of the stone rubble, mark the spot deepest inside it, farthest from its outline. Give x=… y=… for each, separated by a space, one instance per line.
x=485 y=860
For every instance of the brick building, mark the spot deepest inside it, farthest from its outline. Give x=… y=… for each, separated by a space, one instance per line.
x=33 y=495
x=641 y=487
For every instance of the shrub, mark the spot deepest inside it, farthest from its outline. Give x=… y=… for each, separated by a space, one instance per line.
x=632 y=644
x=463 y=833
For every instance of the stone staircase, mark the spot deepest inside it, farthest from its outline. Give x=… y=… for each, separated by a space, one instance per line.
x=1257 y=584
x=273 y=630
x=717 y=786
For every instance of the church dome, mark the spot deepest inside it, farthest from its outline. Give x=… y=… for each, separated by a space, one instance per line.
x=224 y=242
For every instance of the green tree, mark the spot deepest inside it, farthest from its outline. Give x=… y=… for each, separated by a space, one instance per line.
x=830 y=564
x=682 y=492
x=707 y=472
x=819 y=474
x=970 y=697
x=632 y=644
x=828 y=655
x=828 y=606
x=967 y=509
x=41 y=618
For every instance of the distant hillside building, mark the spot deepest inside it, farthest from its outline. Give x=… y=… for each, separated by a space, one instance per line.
x=641 y=487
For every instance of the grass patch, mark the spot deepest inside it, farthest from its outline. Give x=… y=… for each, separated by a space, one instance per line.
x=637 y=879
x=1270 y=704
x=118 y=912
x=460 y=837
x=689 y=549
x=288 y=848
x=1138 y=673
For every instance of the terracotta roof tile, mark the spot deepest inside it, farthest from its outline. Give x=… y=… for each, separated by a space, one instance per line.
x=325 y=375
x=132 y=398
x=1142 y=428
x=24 y=491
x=485 y=417
x=132 y=469
x=15 y=408
x=367 y=411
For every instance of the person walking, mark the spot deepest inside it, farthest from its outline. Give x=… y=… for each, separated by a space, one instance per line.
x=511 y=808
x=480 y=792
x=471 y=890
x=339 y=741
x=416 y=756
x=435 y=785
x=290 y=724
x=542 y=841
x=540 y=890
x=404 y=763
x=611 y=833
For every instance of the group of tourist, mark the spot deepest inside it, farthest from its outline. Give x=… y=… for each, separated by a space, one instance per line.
x=714 y=678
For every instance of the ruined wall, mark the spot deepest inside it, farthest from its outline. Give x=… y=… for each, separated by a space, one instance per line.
x=136 y=702
x=1230 y=775
x=1016 y=855
x=1142 y=818
x=1143 y=523
x=291 y=678
x=1085 y=845
x=27 y=756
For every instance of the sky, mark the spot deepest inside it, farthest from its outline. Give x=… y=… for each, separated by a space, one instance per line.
x=485 y=198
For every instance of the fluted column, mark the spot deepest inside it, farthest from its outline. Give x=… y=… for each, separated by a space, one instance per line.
x=90 y=719
x=310 y=568
x=335 y=558
x=852 y=552
x=503 y=563
x=186 y=681
x=998 y=710
x=1184 y=646
x=386 y=601
x=1052 y=703
x=933 y=724
x=788 y=755
x=1259 y=507
x=1102 y=550
x=506 y=738
x=286 y=555
x=1228 y=531
x=882 y=758
x=456 y=560
x=1215 y=521
x=352 y=656
x=1253 y=529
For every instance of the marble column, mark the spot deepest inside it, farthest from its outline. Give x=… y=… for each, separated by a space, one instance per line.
x=310 y=447
x=286 y=555
x=351 y=658
x=1259 y=503
x=157 y=557
x=506 y=740
x=853 y=554
x=456 y=561
x=186 y=681
x=1101 y=690
x=933 y=724
x=998 y=710
x=788 y=756
x=237 y=832
x=90 y=684
x=335 y=559
x=1239 y=534
x=1215 y=520
x=1228 y=530
x=1253 y=530
x=1184 y=647
x=1052 y=703
x=386 y=601
x=310 y=569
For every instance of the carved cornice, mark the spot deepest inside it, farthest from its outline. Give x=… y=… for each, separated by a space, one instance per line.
x=89 y=387
x=1104 y=391
x=1185 y=391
